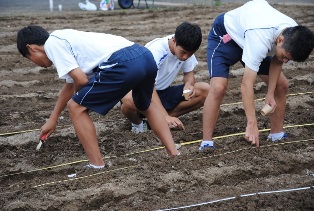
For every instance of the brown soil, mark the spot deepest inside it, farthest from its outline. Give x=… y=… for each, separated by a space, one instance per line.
x=142 y=177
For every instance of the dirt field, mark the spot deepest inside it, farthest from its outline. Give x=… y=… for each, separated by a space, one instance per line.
x=142 y=177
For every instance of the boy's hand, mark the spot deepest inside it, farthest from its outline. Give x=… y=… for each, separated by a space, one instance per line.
x=191 y=94
x=271 y=101
x=174 y=122
x=252 y=133
x=48 y=128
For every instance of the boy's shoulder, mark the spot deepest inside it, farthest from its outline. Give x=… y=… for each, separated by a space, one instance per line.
x=159 y=42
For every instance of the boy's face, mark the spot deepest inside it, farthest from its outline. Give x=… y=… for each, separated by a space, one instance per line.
x=38 y=56
x=281 y=54
x=180 y=53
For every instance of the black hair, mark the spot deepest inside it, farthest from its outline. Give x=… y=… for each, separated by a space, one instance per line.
x=299 y=42
x=30 y=35
x=188 y=36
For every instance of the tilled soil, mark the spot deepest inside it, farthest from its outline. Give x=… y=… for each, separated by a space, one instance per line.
x=142 y=176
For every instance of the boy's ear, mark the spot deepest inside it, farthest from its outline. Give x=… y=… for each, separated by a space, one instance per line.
x=174 y=40
x=31 y=48
x=280 y=39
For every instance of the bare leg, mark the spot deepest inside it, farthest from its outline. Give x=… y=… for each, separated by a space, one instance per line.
x=201 y=92
x=160 y=127
x=276 y=118
x=218 y=87
x=129 y=109
x=86 y=132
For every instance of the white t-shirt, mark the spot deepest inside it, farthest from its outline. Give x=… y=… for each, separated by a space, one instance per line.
x=255 y=27
x=168 y=64
x=69 y=49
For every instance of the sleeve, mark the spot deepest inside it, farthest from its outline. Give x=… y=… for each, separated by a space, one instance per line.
x=158 y=50
x=257 y=43
x=59 y=51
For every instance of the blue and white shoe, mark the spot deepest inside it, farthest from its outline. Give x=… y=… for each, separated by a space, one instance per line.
x=207 y=145
x=277 y=137
x=141 y=128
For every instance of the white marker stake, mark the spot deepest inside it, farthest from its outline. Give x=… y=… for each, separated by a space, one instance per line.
x=51 y=5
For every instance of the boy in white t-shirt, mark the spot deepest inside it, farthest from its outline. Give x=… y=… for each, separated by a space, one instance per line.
x=100 y=69
x=172 y=54
x=262 y=39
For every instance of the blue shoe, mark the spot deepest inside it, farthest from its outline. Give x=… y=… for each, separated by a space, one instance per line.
x=270 y=138
x=207 y=145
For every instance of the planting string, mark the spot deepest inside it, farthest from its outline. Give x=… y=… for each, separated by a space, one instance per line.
x=128 y=167
x=252 y=147
x=260 y=99
x=226 y=104
x=83 y=177
x=241 y=196
x=156 y=148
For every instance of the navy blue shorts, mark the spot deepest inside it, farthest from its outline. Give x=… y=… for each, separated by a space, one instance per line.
x=220 y=55
x=171 y=96
x=131 y=68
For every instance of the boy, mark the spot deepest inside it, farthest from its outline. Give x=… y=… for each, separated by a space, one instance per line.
x=262 y=39
x=100 y=69
x=172 y=54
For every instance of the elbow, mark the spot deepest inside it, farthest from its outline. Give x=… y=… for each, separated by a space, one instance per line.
x=85 y=81
x=80 y=84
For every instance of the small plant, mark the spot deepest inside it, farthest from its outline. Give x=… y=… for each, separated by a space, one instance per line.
x=216 y=2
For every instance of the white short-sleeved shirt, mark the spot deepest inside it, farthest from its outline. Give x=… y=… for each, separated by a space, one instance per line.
x=168 y=64
x=255 y=27
x=69 y=49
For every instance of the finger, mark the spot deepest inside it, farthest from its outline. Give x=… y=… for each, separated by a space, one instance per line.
x=253 y=140
x=180 y=126
x=170 y=124
x=44 y=135
x=246 y=137
x=257 y=143
x=173 y=125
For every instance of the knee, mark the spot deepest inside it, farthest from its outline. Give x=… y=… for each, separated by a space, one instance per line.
x=202 y=89
x=217 y=90
x=127 y=104
x=282 y=86
x=71 y=106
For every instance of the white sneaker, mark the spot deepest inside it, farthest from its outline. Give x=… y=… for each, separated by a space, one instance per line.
x=89 y=170
x=277 y=137
x=141 y=128
x=206 y=145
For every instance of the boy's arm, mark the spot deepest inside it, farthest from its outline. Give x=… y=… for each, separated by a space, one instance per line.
x=65 y=95
x=251 y=132
x=172 y=121
x=274 y=73
x=189 y=81
x=79 y=77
